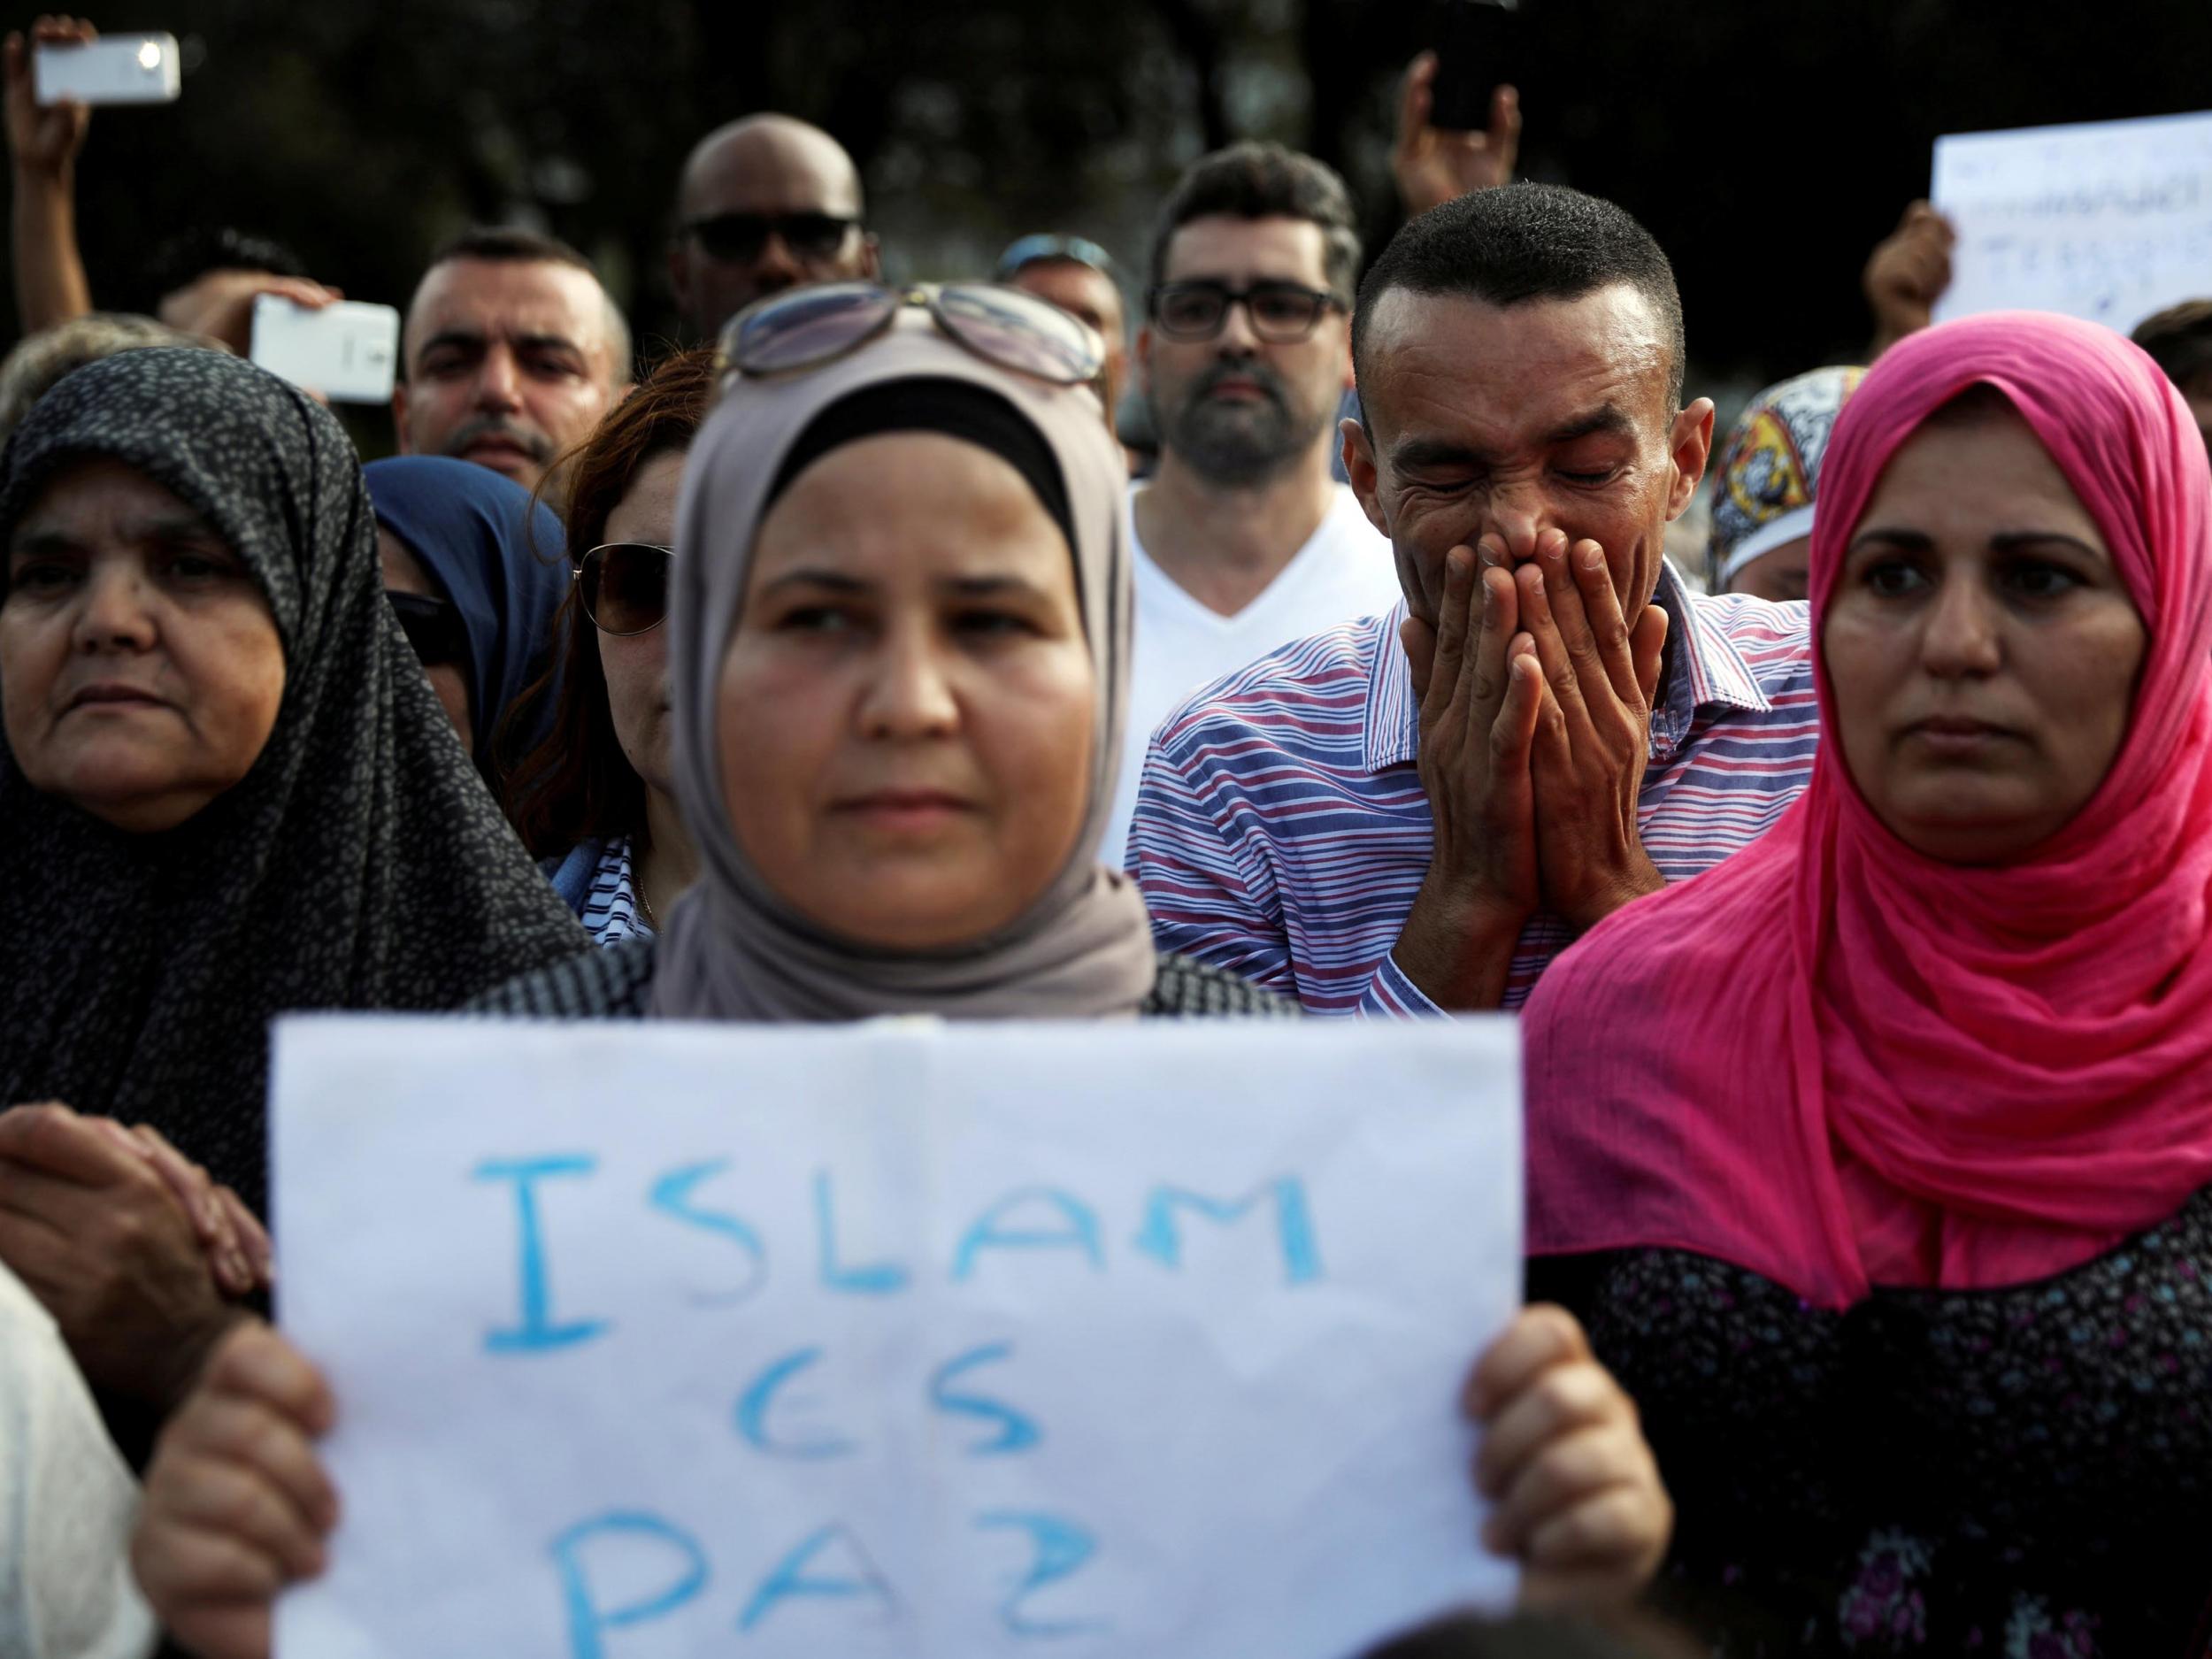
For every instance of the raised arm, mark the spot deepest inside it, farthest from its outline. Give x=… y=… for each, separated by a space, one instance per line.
x=50 y=286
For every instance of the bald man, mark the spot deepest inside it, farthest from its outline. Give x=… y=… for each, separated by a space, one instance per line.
x=765 y=203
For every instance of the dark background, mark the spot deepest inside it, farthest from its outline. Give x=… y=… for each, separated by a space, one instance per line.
x=1768 y=144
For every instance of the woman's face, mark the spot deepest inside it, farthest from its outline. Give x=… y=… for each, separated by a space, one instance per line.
x=1778 y=574
x=907 y=704
x=139 y=668
x=1982 y=648
x=636 y=665
x=403 y=573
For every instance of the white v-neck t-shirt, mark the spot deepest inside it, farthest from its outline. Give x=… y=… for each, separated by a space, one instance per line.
x=1343 y=572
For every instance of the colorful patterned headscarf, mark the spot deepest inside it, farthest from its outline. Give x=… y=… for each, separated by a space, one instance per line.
x=1769 y=468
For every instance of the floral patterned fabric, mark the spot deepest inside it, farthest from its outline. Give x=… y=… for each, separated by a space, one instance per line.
x=2021 y=1472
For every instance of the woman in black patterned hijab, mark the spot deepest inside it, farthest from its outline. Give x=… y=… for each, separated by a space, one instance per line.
x=227 y=788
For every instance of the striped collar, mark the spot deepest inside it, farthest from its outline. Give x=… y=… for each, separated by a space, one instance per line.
x=1703 y=670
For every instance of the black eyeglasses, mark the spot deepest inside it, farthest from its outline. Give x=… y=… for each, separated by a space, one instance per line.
x=1282 y=313
x=739 y=238
x=431 y=626
x=623 y=587
x=805 y=328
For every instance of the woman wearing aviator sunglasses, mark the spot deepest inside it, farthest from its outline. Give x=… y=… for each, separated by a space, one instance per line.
x=899 y=649
x=594 y=801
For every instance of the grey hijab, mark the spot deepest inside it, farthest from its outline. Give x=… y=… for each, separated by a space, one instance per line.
x=732 y=950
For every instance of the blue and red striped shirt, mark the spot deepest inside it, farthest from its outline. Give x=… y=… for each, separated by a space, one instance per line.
x=1281 y=830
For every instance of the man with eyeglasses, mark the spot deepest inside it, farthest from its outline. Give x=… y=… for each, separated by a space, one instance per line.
x=1243 y=540
x=765 y=203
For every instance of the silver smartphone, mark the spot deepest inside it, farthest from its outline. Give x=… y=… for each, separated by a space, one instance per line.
x=114 y=69
x=348 y=352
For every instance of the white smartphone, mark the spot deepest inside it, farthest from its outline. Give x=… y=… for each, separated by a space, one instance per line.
x=348 y=352
x=114 y=69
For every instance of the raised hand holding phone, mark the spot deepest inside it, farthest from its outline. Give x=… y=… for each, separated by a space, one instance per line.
x=344 y=350
x=1459 y=118
x=118 y=69
x=43 y=138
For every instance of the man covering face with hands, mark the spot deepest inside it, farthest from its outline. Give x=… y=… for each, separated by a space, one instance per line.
x=1418 y=811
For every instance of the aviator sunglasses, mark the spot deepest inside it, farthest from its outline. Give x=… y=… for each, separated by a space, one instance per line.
x=805 y=328
x=623 y=587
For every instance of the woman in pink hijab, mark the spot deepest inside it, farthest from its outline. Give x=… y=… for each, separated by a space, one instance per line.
x=1877 y=1159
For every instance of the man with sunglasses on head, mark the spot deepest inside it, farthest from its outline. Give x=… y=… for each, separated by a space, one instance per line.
x=1244 y=541
x=765 y=203
x=1078 y=275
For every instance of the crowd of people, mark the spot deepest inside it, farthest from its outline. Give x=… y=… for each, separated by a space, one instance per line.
x=1315 y=650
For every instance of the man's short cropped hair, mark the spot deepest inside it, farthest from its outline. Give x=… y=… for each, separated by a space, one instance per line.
x=2179 y=340
x=1522 y=243
x=190 y=254
x=1265 y=180
x=510 y=244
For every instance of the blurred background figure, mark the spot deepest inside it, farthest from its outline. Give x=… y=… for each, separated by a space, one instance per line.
x=1763 y=484
x=1244 y=540
x=29 y=372
x=1079 y=276
x=512 y=351
x=1908 y=273
x=764 y=204
x=1468 y=1636
x=202 y=281
x=2179 y=340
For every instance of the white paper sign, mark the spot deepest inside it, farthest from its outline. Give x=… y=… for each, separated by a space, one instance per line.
x=2110 y=220
x=907 y=1340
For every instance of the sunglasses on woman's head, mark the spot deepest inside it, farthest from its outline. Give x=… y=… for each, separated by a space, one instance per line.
x=623 y=587
x=805 y=328
x=431 y=626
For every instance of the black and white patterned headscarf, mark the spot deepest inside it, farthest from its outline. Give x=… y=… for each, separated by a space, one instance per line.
x=359 y=865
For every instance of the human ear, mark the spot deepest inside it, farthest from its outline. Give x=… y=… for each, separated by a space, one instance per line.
x=1359 y=467
x=1691 y=447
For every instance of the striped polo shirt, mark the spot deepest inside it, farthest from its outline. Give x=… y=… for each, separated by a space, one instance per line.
x=1281 y=831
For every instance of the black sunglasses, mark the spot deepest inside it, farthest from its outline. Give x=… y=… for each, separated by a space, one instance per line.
x=1281 y=312
x=741 y=238
x=433 y=626
x=623 y=587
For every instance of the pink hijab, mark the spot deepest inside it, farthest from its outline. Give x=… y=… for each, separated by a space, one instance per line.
x=1838 y=1063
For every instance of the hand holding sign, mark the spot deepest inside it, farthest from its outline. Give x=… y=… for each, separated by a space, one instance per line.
x=238 y=1506
x=913 y=1342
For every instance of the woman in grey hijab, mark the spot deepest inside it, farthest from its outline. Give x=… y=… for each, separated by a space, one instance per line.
x=898 y=669
x=901 y=605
